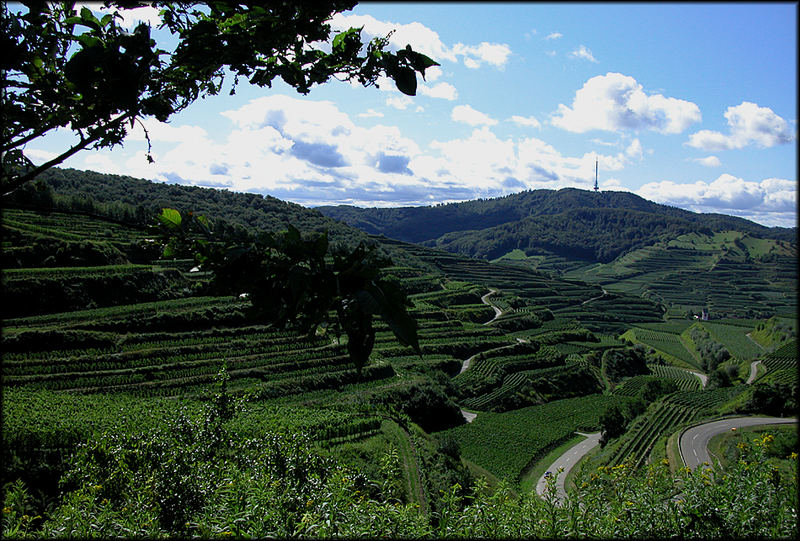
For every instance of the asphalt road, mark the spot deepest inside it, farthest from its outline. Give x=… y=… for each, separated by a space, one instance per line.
x=753 y=371
x=694 y=441
x=567 y=461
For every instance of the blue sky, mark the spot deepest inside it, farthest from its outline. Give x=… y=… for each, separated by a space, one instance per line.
x=692 y=105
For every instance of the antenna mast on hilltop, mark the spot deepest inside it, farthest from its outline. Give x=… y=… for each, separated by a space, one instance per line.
x=596 y=188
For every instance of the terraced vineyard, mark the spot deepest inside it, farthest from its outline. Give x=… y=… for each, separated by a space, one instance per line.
x=506 y=443
x=728 y=273
x=104 y=332
x=781 y=364
x=663 y=417
x=668 y=344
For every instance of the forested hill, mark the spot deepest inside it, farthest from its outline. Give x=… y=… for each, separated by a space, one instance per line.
x=135 y=200
x=627 y=212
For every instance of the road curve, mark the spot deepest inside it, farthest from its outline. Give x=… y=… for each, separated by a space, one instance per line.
x=753 y=371
x=703 y=377
x=497 y=311
x=568 y=461
x=693 y=442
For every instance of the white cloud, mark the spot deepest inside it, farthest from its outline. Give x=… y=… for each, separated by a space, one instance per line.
x=495 y=54
x=421 y=38
x=444 y=91
x=468 y=115
x=399 y=102
x=433 y=73
x=634 y=150
x=370 y=113
x=554 y=35
x=165 y=132
x=550 y=53
x=772 y=201
x=424 y=40
x=526 y=121
x=583 y=53
x=749 y=125
x=708 y=161
x=614 y=102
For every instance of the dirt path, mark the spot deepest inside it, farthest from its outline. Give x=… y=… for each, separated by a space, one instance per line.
x=469 y=417
x=497 y=313
x=598 y=297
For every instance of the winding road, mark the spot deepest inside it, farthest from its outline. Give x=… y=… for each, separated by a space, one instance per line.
x=753 y=371
x=469 y=417
x=568 y=460
x=693 y=442
x=703 y=377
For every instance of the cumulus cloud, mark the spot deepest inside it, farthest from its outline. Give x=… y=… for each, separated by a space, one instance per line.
x=526 y=121
x=772 y=201
x=634 y=150
x=399 y=102
x=554 y=35
x=708 y=161
x=445 y=91
x=495 y=54
x=312 y=153
x=583 y=53
x=749 y=125
x=614 y=102
x=468 y=115
x=427 y=41
x=370 y=113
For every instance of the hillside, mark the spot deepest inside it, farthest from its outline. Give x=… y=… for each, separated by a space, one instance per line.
x=417 y=224
x=113 y=355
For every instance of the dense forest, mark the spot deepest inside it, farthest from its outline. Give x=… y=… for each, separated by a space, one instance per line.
x=633 y=218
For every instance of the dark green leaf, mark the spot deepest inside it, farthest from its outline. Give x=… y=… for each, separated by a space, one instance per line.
x=406 y=80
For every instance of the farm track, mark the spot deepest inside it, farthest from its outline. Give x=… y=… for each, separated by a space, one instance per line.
x=703 y=377
x=753 y=371
x=598 y=297
x=469 y=417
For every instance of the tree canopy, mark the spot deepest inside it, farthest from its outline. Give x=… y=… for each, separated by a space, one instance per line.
x=65 y=68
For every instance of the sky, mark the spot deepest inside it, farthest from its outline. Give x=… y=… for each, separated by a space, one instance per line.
x=690 y=105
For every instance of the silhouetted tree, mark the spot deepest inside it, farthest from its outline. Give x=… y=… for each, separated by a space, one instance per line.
x=68 y=69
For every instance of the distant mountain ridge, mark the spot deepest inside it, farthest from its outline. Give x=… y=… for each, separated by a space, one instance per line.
x=581 y=223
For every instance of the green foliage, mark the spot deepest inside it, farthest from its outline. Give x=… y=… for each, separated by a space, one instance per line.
x=776 y=399
x=506 y=443
x=289 y=283
x=276 y=487
x=712 y=353
x=620 y=363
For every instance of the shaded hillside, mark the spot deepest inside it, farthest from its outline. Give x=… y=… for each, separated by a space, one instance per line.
x=599 y=234
x=136 y=198
x=417 y=224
